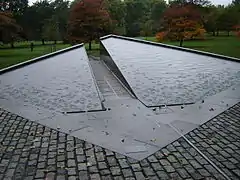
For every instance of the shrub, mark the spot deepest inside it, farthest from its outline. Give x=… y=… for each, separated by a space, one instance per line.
x=160 y=36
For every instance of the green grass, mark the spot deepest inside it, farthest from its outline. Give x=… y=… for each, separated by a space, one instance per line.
x=228 y=46
x=21 y=53
x=95 y=49
x=10 y=57
x=26 y=44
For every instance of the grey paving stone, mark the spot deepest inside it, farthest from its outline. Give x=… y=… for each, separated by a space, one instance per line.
x=71 y=163
x=100 y=156
x=183 y=173
x=127 y=173
x=136 y=167
x=139 y=175
x=72 y=178
x=162 y=175
x=118 y=178
x=71 y=171
x=112 y=161
x=81 y=158
x=82 y=166
x=115 y=171
x=95 y=177
x=157 y=166
x=105 y=172
x=84 y=175
x=123 y=163
x=108 y=177
x=93 y=169
x=50 y=175
x=169 y=169
x=61 y=177
x=152 y=159
x=10 y=173
x=148 y=171
x=102 y=165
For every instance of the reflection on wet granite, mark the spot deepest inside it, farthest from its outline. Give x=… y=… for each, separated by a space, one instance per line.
x=60 y=83
x=160 y=75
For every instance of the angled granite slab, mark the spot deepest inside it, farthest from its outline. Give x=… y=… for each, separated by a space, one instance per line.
x=57 y=82
x=160 y=74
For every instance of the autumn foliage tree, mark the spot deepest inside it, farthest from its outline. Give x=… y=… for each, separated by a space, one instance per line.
x=237 y=30
x=88 y=21
x=181 y=22
x=9 y=29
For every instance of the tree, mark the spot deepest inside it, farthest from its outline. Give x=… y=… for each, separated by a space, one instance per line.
x=157 y=8
x=236 y=2
x=181 y=22
x=61 y=13
x=14 y=6
x=117 y=12
x=30 y=16
x=194 y=2
x=147 y=28
x=35 y=17
x=135 y=11
x=51 y=29
x=88 y=21
x=9 y=29
x=43 y=10
x=237 y=30
x=228 y=18
x=160 y=36
x=210 y=17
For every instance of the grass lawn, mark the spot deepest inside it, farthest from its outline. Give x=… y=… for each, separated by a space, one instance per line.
x=228 y=46
x=22 y=52
x=10 y=57
x=26 y=44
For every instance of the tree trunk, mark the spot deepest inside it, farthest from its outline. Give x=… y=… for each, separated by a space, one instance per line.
x=228 y=33
x=181 y=42
x=55 y=41
x=217 y=32
x=43 y=42
x=90 y=45
x=12 y=44
x=213 y=33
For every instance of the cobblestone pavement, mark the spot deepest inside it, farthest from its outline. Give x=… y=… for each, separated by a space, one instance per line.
x=32 y=151
x=219 y=140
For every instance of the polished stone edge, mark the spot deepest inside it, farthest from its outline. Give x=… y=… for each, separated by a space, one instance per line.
x=172 y=47
x=16 y=66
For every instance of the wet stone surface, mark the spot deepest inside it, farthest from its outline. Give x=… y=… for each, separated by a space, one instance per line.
x=59 y=83
x=32 y=151
x=159 y=75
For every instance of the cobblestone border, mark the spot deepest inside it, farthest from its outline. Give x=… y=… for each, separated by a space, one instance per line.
x=31 y=151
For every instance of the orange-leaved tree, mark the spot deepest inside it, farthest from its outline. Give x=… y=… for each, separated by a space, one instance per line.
x=182 y=22
x=9 y=29
x=160 y=36
x=237 y=30
x=88 y=20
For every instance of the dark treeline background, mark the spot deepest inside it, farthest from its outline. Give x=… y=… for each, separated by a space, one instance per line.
x=48 y=20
